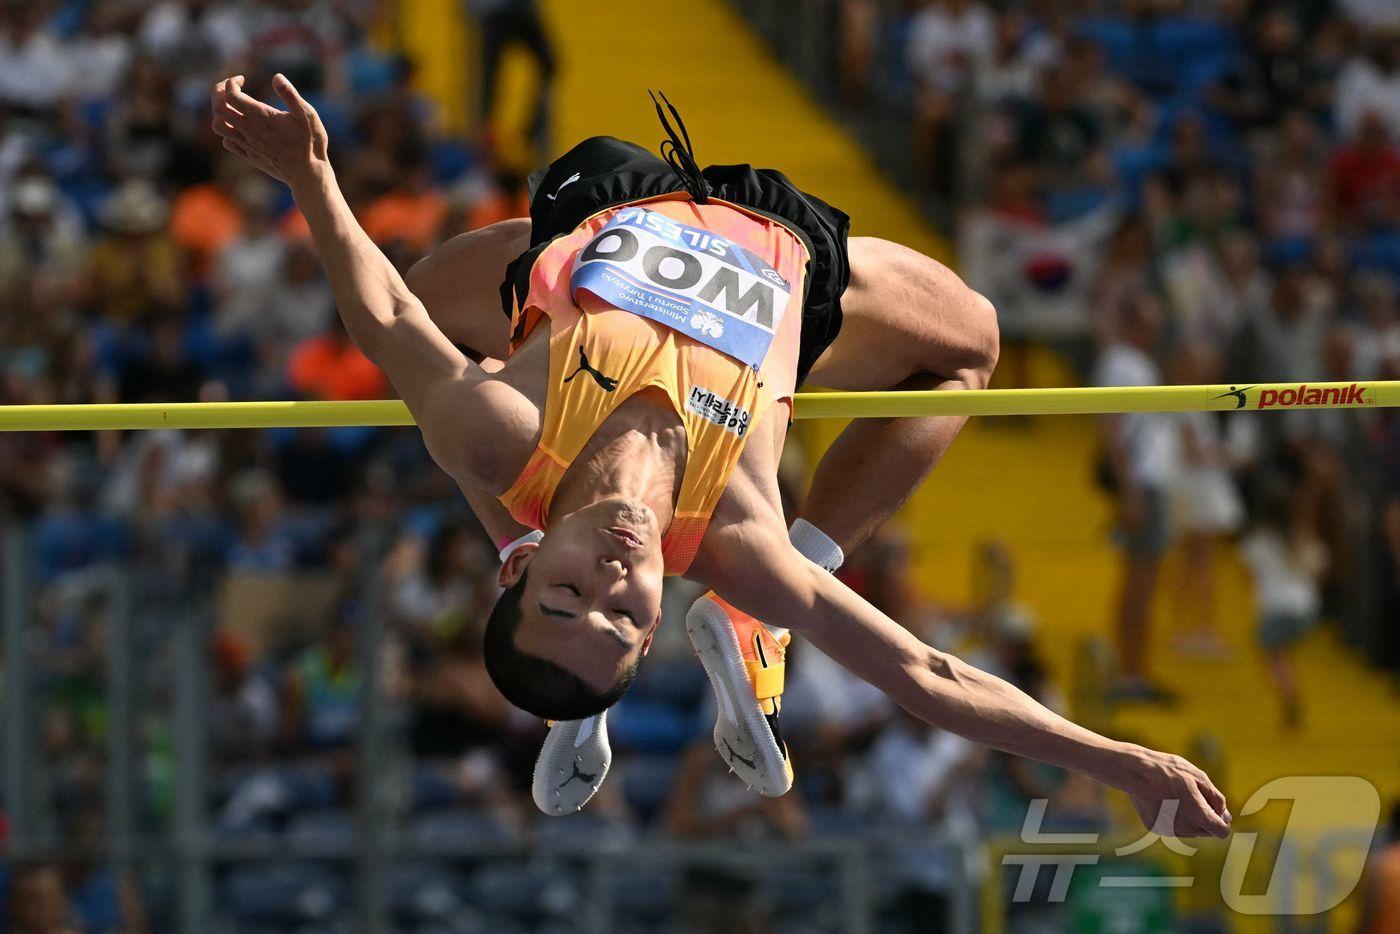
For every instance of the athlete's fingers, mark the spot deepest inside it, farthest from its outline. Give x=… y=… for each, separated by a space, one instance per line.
x=233 y=147
x=226 y=130
x=221 y=97
x=1213 y=797
x=248 y=105
x=1206 y=819
x=289 y=94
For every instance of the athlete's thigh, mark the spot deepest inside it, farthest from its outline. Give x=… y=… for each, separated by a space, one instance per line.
x=460 y=285
x=903 y=315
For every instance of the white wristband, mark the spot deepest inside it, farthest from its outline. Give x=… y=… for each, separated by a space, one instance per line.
x=527 y=539
x=815 y=545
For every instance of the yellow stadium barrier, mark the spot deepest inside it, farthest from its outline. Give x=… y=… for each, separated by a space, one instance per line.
x=1075 y=401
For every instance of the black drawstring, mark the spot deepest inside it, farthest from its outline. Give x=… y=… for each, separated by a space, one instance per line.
x=679 y=154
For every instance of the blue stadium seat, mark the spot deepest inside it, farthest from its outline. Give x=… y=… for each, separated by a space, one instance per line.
x=516 y=890
x=650 y=726
x=430 y=788
x=649 y=894
x=423 y=892
x=581 y=829
x=458 y=830
x=285 y=893
x=646 y=783
x=323 y=831
x=1378 y=251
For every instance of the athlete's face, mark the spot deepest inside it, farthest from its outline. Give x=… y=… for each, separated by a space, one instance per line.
x=593 y=596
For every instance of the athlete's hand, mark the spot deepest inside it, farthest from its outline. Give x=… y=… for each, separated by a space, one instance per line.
x=1172 y=796
x=288 y=145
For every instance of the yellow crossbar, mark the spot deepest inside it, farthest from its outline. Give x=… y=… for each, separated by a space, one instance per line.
x=1075 y=401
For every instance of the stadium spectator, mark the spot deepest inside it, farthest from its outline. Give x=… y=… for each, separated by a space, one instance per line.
x=515 y=23
x=1381 y=885
x=43 y=254
x=949 y=40
x=1139 y=459
x=320 y=691
x=135 y=265
x=1204 y=505
x=1369 y=87
x=1287 y=563
x=206 y=217
x=939 y=775
x=1366 y=173
x=38 y=903
x=704 y=802
x=330 y=367
x=35 y=66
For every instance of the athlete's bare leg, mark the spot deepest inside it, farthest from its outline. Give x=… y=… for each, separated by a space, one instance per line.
x=909 y=323
x=460 y=285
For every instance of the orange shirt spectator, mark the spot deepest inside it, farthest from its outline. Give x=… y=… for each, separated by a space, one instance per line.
x=498 y=206
x=293 y=226
x=330 y=367
x=204 y=219
x=412 y=216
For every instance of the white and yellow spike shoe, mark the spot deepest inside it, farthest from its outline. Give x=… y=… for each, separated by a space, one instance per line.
x=572 y=764
x=746 y=664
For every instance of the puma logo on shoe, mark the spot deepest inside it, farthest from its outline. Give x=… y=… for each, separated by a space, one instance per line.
x=584 y=777
x=731 y=755
x=607 y=382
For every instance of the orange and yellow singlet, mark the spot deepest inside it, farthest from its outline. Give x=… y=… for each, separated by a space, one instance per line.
x=700 y=301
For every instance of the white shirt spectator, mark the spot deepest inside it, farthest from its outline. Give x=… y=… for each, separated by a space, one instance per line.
x=909 y=770
x=169 y=31
x=1017 y=77
x=1363 y=88
x=820 y=692
x=248 y=274
x=1372 y=15
x=1285 y=578
x=946 y=45
x=1204 y=498
x=36 y=72
x=1206 y=303
x=99 y=62
x=1150 y=437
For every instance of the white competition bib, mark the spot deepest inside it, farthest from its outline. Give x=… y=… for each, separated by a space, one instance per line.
x=687 y=278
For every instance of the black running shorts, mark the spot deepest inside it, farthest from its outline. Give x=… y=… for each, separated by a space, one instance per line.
x=604 y=172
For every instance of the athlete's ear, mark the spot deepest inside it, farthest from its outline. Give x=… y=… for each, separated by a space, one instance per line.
x=516 y=564
x=646 y=643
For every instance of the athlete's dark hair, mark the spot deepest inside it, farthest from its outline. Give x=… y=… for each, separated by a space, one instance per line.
x=533 y=684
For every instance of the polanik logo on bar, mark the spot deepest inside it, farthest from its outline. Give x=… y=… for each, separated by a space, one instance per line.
x=1303 y=395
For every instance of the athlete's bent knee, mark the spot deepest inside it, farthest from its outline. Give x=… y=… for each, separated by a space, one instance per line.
x=985 y=338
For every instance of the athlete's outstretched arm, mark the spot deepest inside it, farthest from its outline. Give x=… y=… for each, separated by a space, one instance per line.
x=384 y=319
x=770 y=580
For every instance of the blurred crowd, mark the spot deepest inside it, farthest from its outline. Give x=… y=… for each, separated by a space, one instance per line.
x=1171 y=191
x=1174 y=195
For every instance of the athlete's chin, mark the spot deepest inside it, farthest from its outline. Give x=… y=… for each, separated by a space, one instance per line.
x=635 y=517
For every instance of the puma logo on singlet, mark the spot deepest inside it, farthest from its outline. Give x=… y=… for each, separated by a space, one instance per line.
x=607 y=382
